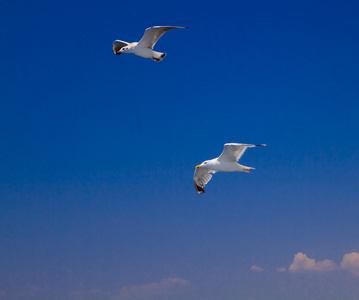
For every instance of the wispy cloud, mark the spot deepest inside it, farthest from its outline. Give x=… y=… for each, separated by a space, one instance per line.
x=23 y=292
x=302 y=263
x=350 y=263
x=89 y=294
x=150 y=291
x=163 y=288
x=2 y=295
x=256 y=268
x=281 y=270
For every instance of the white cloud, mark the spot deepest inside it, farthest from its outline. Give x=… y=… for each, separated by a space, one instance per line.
x=256 y=268
x=302 y=263
x=350 y=263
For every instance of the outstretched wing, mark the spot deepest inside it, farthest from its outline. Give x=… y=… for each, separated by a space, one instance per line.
x=152 y=34
x=232 y=152
x=201 y=177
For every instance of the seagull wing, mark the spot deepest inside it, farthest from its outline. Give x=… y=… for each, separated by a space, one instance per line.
x=201 y=177
x=232 y=152
x=152 y=34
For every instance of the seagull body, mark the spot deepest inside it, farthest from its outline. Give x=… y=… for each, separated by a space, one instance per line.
x=144 y=47
x=226 y=162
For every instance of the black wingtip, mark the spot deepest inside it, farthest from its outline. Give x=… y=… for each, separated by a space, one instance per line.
x=261 y=145
x=199 y=189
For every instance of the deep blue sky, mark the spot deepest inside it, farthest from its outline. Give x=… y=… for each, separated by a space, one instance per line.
x=98 y=151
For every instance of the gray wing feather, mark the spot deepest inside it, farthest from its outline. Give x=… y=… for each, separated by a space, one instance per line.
x=201 y=177
x=152 y=34
x=232 y=152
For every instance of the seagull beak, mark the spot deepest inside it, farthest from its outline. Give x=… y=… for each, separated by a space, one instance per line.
x=198 y=166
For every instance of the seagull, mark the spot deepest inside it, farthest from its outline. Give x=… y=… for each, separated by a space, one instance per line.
x=144 y=47
x=226 y=162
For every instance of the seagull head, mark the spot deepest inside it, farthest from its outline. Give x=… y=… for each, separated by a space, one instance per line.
x=202 y=164
x=123 y=50
x=117 y=46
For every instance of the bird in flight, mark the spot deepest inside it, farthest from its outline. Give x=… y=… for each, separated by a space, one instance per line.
x=144 y=47
x=226 y=162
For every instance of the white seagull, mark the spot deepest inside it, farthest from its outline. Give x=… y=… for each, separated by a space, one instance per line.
x=226 y=162
x=144 y=47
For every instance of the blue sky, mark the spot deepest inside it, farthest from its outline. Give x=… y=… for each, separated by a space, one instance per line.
x=98 y=151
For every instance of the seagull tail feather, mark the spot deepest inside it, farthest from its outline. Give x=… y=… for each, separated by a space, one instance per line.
x=247 y=169
x=158 y=56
